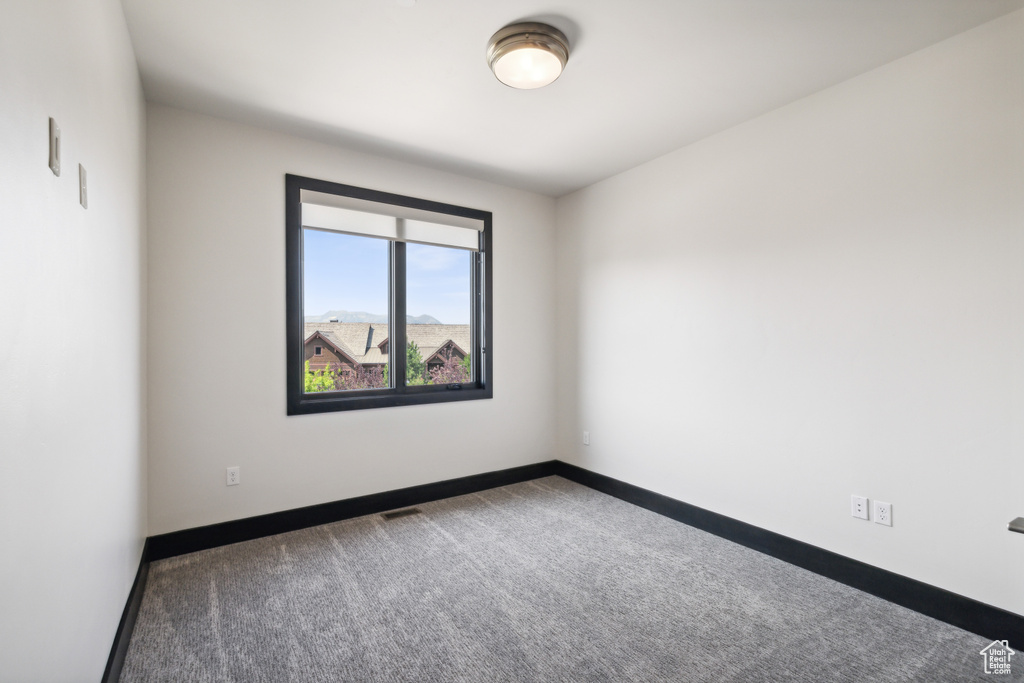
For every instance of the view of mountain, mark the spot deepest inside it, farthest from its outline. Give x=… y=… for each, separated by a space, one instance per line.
x=363 y=317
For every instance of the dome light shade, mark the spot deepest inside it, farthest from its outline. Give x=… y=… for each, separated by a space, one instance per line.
x=527 y=55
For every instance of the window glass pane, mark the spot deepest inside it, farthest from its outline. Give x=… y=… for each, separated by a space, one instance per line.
x=345 y=309
x=438 y=305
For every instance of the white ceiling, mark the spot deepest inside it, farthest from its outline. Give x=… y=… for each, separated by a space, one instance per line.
x=644 y=76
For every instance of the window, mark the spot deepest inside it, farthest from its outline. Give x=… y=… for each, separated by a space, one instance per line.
x=371 y=272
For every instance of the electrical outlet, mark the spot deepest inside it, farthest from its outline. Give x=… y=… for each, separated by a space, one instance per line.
x=234 y=476
x=883 y=513
x=859 y=507
x=586 y=438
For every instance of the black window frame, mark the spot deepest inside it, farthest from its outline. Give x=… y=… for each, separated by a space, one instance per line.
x=482 y=384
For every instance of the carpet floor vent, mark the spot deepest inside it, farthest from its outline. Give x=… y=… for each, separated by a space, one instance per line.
x=401 y=513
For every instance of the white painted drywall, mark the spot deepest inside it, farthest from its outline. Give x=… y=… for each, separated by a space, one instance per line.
x=217 y=337
x=72 y=459
x=823 y=301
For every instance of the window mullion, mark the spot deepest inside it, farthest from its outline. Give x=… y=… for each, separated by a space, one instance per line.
x=397 y=344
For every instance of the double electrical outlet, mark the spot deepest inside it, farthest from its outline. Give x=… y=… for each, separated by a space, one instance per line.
x=859 y=509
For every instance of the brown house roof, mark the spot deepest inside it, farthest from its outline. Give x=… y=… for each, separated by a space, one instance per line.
x=435 y=356
x=362 y=341
x=332 y=340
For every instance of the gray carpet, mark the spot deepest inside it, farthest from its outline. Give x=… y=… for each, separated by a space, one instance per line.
x=541 y=581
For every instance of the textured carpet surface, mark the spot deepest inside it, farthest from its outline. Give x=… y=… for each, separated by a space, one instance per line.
x=541 y=581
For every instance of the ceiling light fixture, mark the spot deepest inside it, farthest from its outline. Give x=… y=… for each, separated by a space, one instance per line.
x=527 y=55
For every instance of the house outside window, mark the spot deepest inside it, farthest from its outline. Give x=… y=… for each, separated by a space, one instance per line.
x=369 y=272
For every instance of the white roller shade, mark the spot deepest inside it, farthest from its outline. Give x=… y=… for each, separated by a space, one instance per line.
x=337 y=213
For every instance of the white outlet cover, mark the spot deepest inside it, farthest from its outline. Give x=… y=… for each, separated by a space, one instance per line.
x=586 y=438
x=859 y=507
x=883 y=513
x=234 y=476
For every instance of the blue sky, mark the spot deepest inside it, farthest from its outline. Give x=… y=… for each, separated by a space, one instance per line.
x=346 y=272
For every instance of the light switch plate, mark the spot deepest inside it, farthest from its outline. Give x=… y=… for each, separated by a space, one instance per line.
x=83 y=196
x=54 y=147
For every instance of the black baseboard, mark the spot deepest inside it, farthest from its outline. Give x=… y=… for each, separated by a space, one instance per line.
x=123 y=636
x=977 y=617
x=215 y=535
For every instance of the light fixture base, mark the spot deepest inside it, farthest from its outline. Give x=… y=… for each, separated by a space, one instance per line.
x=528 y=54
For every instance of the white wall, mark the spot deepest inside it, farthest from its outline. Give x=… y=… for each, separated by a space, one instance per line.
x=823 y=301
x=217 y=338
x=72 y=459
